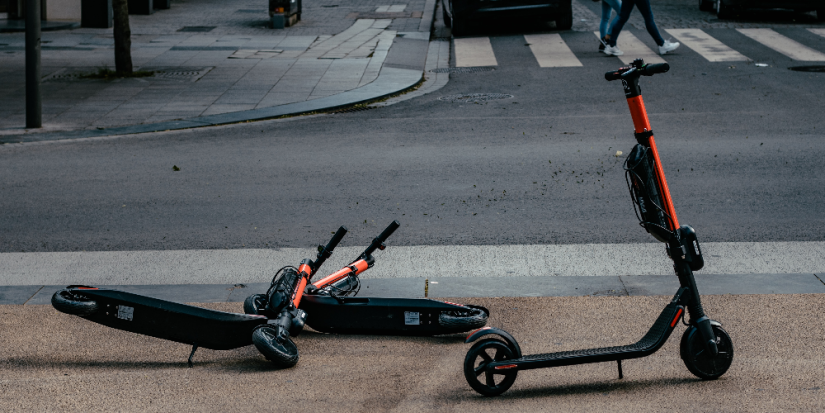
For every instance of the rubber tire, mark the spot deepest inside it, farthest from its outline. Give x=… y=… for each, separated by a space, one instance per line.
x=459 y=26
x=706 y=5
x=503 y=352
x=723 y=11
x=69 y=302
x=282 y=354
x=477 y=319
x=564 y=18
x=445 y=16
x=254 y=304
x=691 y=346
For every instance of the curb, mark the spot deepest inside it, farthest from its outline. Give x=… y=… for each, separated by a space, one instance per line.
x=402 y=69
x=458 y=287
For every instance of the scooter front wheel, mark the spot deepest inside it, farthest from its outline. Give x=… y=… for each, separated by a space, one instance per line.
x=699 y=361
x=71 y=302
x=277 y=348
x=480 y=355
x=254 y=304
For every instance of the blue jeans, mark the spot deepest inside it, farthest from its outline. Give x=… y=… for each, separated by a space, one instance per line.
x=624 y=15
x=607 y=7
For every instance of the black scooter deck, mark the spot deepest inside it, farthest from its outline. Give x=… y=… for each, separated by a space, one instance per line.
x=373 y=315
x=168 y=320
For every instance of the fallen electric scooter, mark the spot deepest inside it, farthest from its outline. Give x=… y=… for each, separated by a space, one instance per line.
x=491 y=365
x=197 y=326
x=328 y=305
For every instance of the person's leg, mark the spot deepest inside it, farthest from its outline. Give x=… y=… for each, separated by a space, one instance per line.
x=624 y=15
x=647 y=13
x=615 y=5
x=606 y=10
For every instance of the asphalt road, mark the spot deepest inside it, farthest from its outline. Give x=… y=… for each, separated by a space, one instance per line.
x=741 y=145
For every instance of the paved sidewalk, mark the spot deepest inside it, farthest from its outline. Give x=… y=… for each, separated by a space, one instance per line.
x=215 y=58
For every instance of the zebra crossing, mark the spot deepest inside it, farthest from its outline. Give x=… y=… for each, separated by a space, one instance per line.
x=551 y=50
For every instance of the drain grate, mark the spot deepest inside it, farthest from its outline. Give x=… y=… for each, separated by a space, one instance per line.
x=807 y=68
x=191 y=75
x=196 y=28
x=464 y=69
x=475 y=97
x=352 y=110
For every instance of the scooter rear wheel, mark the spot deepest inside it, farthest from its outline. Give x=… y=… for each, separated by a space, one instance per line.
x=71 y=302
x=481 y=354
x=699 y=361
x=254 y=304
x=277 y=348
x=460 y=321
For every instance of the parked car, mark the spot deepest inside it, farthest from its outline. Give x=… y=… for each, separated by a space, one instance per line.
x=727 y=8
x=456 y=13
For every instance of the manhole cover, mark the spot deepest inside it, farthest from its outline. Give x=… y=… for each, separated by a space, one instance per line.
x=463 y=69
x=475 y=97
x=808 y=68
x=196 y=28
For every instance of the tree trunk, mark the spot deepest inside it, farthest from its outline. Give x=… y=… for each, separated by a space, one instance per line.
x=123 y=37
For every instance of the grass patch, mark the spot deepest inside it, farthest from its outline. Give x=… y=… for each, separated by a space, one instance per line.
x=106 y=73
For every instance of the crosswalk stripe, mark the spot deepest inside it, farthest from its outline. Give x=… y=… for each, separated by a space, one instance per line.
x=711 y=49
x=474 y=51
x=820 y=32
x=784 y=45
x=634 y=49
x=550 y=50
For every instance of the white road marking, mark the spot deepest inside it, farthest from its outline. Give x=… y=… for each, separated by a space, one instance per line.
x=259 y=265
x=633 y=49
x=820 y=32
x=784 y=45
x=474 y=51
x=711 y=49
x=550 y=50
x=396 y=8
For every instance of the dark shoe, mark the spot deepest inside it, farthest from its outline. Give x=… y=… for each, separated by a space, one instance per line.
x=602 y=43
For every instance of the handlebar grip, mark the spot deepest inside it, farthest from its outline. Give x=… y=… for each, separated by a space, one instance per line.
x=614 y=75
x=654 y=68
x=388 y=231
x=339 y=235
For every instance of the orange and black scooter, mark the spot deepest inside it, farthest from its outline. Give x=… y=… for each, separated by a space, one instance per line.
x=491 y=365
x=329 y=305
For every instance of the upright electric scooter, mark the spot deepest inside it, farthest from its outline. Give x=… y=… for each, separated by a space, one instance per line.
x=491 y=365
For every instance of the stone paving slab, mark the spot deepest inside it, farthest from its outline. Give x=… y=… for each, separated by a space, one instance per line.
x=235 y=67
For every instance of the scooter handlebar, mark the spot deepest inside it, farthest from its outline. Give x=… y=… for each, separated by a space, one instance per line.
x=378 y=242
x=325 y=252
x=646 y=70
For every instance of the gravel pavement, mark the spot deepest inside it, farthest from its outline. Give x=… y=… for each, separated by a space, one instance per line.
x=63 y=363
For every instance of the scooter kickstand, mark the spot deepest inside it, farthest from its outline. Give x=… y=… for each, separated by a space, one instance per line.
x=621 y=375
x=192 y=354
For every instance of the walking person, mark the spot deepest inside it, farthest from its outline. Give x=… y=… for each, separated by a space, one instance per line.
x=605 y=25
x=665 y=46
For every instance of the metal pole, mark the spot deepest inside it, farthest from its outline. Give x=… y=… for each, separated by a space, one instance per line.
x=34 y=106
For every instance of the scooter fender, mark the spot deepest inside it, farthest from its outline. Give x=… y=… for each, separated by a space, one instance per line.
x=508 y=338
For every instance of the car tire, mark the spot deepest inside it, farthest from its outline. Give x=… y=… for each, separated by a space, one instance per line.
x=723 y=11
x=564 y=16
x=459 y=26
x=445 y=15
x=706 y=5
